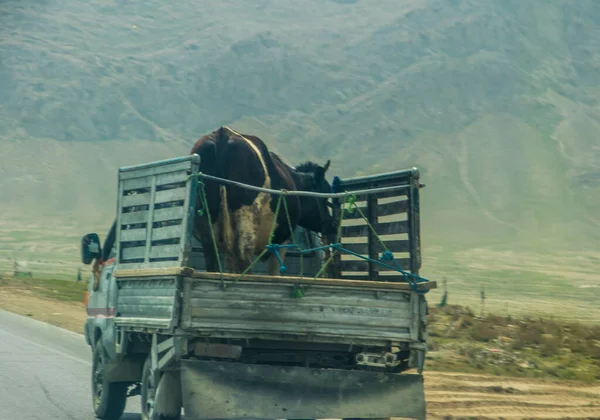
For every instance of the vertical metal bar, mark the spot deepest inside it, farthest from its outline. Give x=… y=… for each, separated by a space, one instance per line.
x=189 y=214
x=149 y=222
x=154 y=352
x=411 y=229
x=119 y=212
x=417 y=224
x=372 y=245
x=335 y=266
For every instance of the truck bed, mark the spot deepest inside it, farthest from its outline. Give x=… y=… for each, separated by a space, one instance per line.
x=372 y=313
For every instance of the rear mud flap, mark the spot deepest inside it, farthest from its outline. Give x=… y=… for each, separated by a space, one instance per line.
x=218 y=390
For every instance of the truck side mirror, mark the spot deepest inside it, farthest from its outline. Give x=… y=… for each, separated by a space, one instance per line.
x=90 y=248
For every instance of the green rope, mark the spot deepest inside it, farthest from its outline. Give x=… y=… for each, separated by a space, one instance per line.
x=385 y=248
x=349 y=206
x=271 y=234
x=210 y=225
x=289 y=220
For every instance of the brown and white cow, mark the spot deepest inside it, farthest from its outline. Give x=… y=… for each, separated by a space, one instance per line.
x=242 y=219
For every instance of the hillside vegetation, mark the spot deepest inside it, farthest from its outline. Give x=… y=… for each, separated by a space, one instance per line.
x=495 y=102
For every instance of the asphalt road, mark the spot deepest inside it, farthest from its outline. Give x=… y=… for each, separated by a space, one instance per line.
x=45 y=373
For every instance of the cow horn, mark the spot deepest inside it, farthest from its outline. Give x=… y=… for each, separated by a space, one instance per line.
x=326 y=165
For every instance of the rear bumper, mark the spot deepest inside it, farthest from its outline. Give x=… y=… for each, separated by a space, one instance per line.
x=236 y=390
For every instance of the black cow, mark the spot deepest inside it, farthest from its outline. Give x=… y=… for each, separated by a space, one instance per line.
x=242 y=219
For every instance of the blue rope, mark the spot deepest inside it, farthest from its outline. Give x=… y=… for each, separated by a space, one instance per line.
x=411 y=279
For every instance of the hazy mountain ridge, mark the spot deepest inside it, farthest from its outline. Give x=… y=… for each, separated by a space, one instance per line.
x=496 y=102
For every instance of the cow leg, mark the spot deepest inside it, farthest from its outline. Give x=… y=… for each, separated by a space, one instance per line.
x=210 y=257
x=245 y=250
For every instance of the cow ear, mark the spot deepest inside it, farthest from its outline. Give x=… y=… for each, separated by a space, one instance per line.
x=319 y=174
x=326 y=166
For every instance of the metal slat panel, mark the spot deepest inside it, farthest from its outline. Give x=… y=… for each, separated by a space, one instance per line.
x=172 y=178
x=383 y=209
x=135 y=200
x=165 y=251
x=136 y=183
x=157 y=170
x=265 y=308
x=133 y=253
x=150 y=301
x=390 y=228
x=395 y=207
x=134 y=217
x=363 y=248
x=147 y=265
x=362 y=266
x=400 y=191
x=174 y=194
x=168 y=232
x=131 y=235
x=170 y=213
x=164 y=196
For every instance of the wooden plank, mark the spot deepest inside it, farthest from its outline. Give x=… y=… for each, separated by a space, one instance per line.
x=130 y=235
x=172 y=177
x=384 y=209
x=164 y=251
x=135 y=217
x=395 y=207
x=402 y=190
x=381 y=229
x=133 y=253
x=137 y=183
x=153 y=273
x=174 y=194
x=401 y=177
x=144 y=323
x=135 y=200
x=170 y=213
x=152 y=265
x=283 y=316
x=353 y=275
x=273 y=292
x=396 y=277
x=155 y=170
x=353 y=213
x=169 y=232
x=404 y=264
x=363 y=248
x=361 y=265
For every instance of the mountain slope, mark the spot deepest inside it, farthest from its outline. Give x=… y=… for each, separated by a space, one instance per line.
x=496 y=102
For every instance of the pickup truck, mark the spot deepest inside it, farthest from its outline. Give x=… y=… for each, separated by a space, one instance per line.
x=221 y=345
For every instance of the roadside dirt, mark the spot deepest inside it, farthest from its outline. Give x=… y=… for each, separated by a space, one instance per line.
x=460 y=395
x=449 y=395
x=64 y=314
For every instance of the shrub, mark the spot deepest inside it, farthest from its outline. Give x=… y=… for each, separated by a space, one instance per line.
x=482 y=331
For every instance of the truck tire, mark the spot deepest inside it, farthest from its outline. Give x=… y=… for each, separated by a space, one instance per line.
x=108 y=398
x=149 y=385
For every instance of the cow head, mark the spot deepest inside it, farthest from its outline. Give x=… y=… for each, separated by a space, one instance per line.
x=316 y=214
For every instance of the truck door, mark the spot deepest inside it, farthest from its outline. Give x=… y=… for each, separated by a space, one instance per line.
x=101 y=304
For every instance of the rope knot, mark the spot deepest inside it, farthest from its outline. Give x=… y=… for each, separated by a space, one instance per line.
x=387 y=256
x=350 y=202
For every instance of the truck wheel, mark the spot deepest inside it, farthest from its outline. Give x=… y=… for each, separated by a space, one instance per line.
x=150 y=380
x=109 y=398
